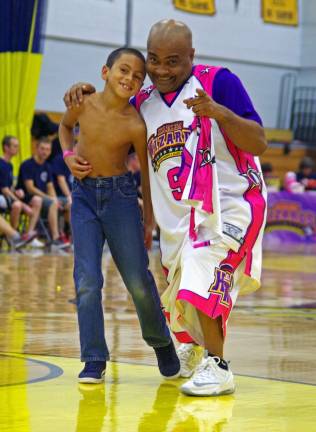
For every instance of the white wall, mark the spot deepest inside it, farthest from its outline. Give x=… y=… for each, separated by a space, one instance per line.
x=87 y=20
x=64 y=64
x=241 y=36
x=80 y=34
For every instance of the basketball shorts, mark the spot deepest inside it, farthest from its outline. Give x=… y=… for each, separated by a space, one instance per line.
x=205 y=281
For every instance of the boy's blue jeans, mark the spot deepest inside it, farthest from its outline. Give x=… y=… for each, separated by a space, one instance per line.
x=107 y=208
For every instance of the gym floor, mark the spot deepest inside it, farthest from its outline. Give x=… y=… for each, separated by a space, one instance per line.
x=271 y=344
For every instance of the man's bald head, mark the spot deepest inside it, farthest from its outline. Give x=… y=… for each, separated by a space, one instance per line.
x=169 y=55
x=170 y=29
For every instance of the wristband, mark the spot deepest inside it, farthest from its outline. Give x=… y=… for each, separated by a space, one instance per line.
x=68 y=153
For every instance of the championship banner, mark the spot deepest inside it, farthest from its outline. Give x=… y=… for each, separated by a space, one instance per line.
x=203 y=7
x=291 y=219
x=284 y=12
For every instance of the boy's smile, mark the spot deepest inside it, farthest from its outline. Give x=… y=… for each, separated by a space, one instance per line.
x=126 y=75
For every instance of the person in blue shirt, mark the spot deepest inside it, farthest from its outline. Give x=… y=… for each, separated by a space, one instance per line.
x=35 y=178
x=306 y=174
x=12 y=199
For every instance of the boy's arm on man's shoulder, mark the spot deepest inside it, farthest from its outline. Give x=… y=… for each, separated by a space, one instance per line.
x=74 y=95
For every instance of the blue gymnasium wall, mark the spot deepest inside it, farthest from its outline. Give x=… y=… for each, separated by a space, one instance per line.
x=81 y=33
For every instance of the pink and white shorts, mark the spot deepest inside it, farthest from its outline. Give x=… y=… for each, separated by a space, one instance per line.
x=208 y=280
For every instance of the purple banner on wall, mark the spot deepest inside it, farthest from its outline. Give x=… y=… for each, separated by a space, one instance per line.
x=291 y=218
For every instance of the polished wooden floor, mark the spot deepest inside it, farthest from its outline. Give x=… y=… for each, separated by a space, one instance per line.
x=271 y=344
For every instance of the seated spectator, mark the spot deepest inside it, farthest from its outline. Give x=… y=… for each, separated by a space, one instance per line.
x=291 y=184
x=307 y=174
x=272 y=181
x=12 y=199
x=35 y=178
x=15 y=240
x=304 y=179
x=63 y=179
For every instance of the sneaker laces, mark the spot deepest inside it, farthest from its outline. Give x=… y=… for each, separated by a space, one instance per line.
x=187 y=354
x=207 y=369
x=189 y=357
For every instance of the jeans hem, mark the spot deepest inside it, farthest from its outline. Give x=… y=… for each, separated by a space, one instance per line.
x=161 y=345
x=88 y=359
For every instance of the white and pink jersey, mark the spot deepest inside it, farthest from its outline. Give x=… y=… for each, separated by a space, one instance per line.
x=237 y=216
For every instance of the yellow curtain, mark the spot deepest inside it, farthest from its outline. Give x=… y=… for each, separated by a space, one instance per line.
x=20 y=65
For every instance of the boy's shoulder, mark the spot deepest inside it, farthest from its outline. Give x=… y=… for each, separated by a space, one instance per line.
x=89 y=98
x=137 y=124
x=136 y=117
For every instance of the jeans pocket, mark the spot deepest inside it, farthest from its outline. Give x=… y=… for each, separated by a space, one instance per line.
x=128 y=190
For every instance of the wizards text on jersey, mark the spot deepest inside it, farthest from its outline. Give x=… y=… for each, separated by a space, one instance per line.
x=168 y=142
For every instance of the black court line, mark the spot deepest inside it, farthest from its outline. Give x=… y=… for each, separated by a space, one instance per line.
x=140 y=364
x=54 y=371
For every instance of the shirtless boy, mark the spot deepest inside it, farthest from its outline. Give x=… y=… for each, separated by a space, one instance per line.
x=105 y=207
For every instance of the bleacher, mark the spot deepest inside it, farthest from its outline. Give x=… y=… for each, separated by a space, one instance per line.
x=284 y=152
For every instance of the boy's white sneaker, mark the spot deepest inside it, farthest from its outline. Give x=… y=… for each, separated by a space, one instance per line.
x=190 y=356
x=210 y=379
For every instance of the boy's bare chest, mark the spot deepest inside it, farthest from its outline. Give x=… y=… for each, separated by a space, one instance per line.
x=105 y=128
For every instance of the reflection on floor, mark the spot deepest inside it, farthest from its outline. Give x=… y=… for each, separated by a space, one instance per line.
x=135 y=398
x=271 y=336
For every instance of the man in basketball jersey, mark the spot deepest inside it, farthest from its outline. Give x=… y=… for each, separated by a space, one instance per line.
x=203 y=139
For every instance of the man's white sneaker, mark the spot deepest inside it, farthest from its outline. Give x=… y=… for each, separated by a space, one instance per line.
x=190 y=357
x=210 y=380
